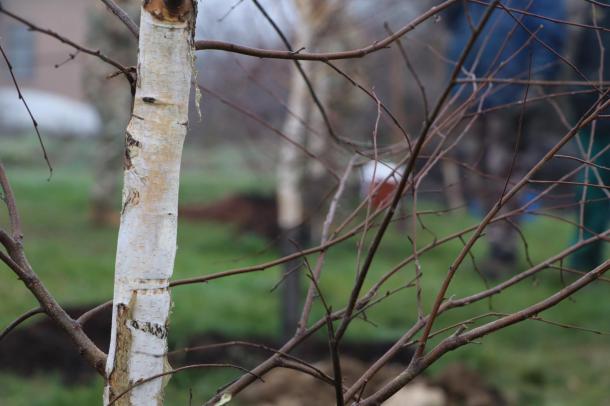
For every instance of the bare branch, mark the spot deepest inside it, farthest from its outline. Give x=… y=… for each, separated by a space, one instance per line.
x=9 y=199
x=25 y=316
x=358 y=53
x=97 y=53
x=175 y=371
x=123 y=16
x=20 y=95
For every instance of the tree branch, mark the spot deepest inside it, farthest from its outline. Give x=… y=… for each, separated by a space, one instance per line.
x=123 y=16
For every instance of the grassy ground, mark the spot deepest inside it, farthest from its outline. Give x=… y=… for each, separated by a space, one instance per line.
x=533 y=363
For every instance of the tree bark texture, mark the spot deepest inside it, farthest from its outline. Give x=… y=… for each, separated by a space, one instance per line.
x=147 y=235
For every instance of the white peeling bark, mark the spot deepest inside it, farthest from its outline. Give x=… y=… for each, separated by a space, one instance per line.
x=147 y=235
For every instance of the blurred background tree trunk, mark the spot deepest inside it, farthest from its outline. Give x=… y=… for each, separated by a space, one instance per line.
x=113 y=102
x=312 y=19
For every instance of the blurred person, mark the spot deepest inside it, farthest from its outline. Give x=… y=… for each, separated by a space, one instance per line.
x=111 y=95
x=505 y=49
x=594 y=141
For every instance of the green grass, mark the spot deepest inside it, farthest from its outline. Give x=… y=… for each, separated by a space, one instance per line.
x=533 y=363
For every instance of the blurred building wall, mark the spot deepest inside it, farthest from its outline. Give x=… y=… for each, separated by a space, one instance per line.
x=34 y=55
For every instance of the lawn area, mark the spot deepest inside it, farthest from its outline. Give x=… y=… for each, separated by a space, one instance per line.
x=532 y=363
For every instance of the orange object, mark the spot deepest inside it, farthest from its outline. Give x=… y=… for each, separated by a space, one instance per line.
x=382 y=192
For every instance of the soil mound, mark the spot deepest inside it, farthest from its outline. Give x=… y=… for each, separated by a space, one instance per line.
x=42 y=347
x=247 y=212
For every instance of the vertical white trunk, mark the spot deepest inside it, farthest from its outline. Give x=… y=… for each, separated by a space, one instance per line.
x=290 y=168
x=313 y=14
x=147 y=235
x=290 y=202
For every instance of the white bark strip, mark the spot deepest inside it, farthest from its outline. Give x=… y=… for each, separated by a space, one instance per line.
x=313 y=16
x=147 y=236
x=290 y=166
x=290 y=202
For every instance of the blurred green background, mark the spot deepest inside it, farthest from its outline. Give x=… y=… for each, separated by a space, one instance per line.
x=531 y=364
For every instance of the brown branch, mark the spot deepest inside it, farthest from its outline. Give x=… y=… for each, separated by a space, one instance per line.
x=9 y=199
x=554 y=20
x=230 y=10
x=270 y=363
x=282 y=363
x=544 y=44
x=362 y=273
x=20 y=95
x=174 y=371
x=299 y=67
x=570 y=326
x=16 y=260
x=257 y=346
x=455 y=303
x=324 y=239
x=370 y=94
x=534 y=82
x=329 y=56
x=25 y=316
x=411 y=69
x=265 y=124
x=93 y=52
x=93 y=355
x=588 y=184
x=333 y=344
x=85 y=317
x=123 y=16
x=459 y=340
x=583 y=161
x=597 y=107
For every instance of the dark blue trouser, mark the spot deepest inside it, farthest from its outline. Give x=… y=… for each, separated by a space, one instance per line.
x=596 y=209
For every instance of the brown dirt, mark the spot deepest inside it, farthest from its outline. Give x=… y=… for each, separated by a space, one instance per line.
x=467 y=387
x=247 y=212
x=40 y=347
x=455 y=386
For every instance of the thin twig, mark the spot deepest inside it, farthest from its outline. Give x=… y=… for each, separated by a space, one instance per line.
x=174 y=371
x=20 y=320
x=123 y=16
x=9 y=199
x=20 y=95
x=329 y=56
x=93 y=52
x=409 y=168
x=299 y=67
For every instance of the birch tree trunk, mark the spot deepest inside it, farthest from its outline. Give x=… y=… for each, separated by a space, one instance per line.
x=147 y=235
x=313 y=15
